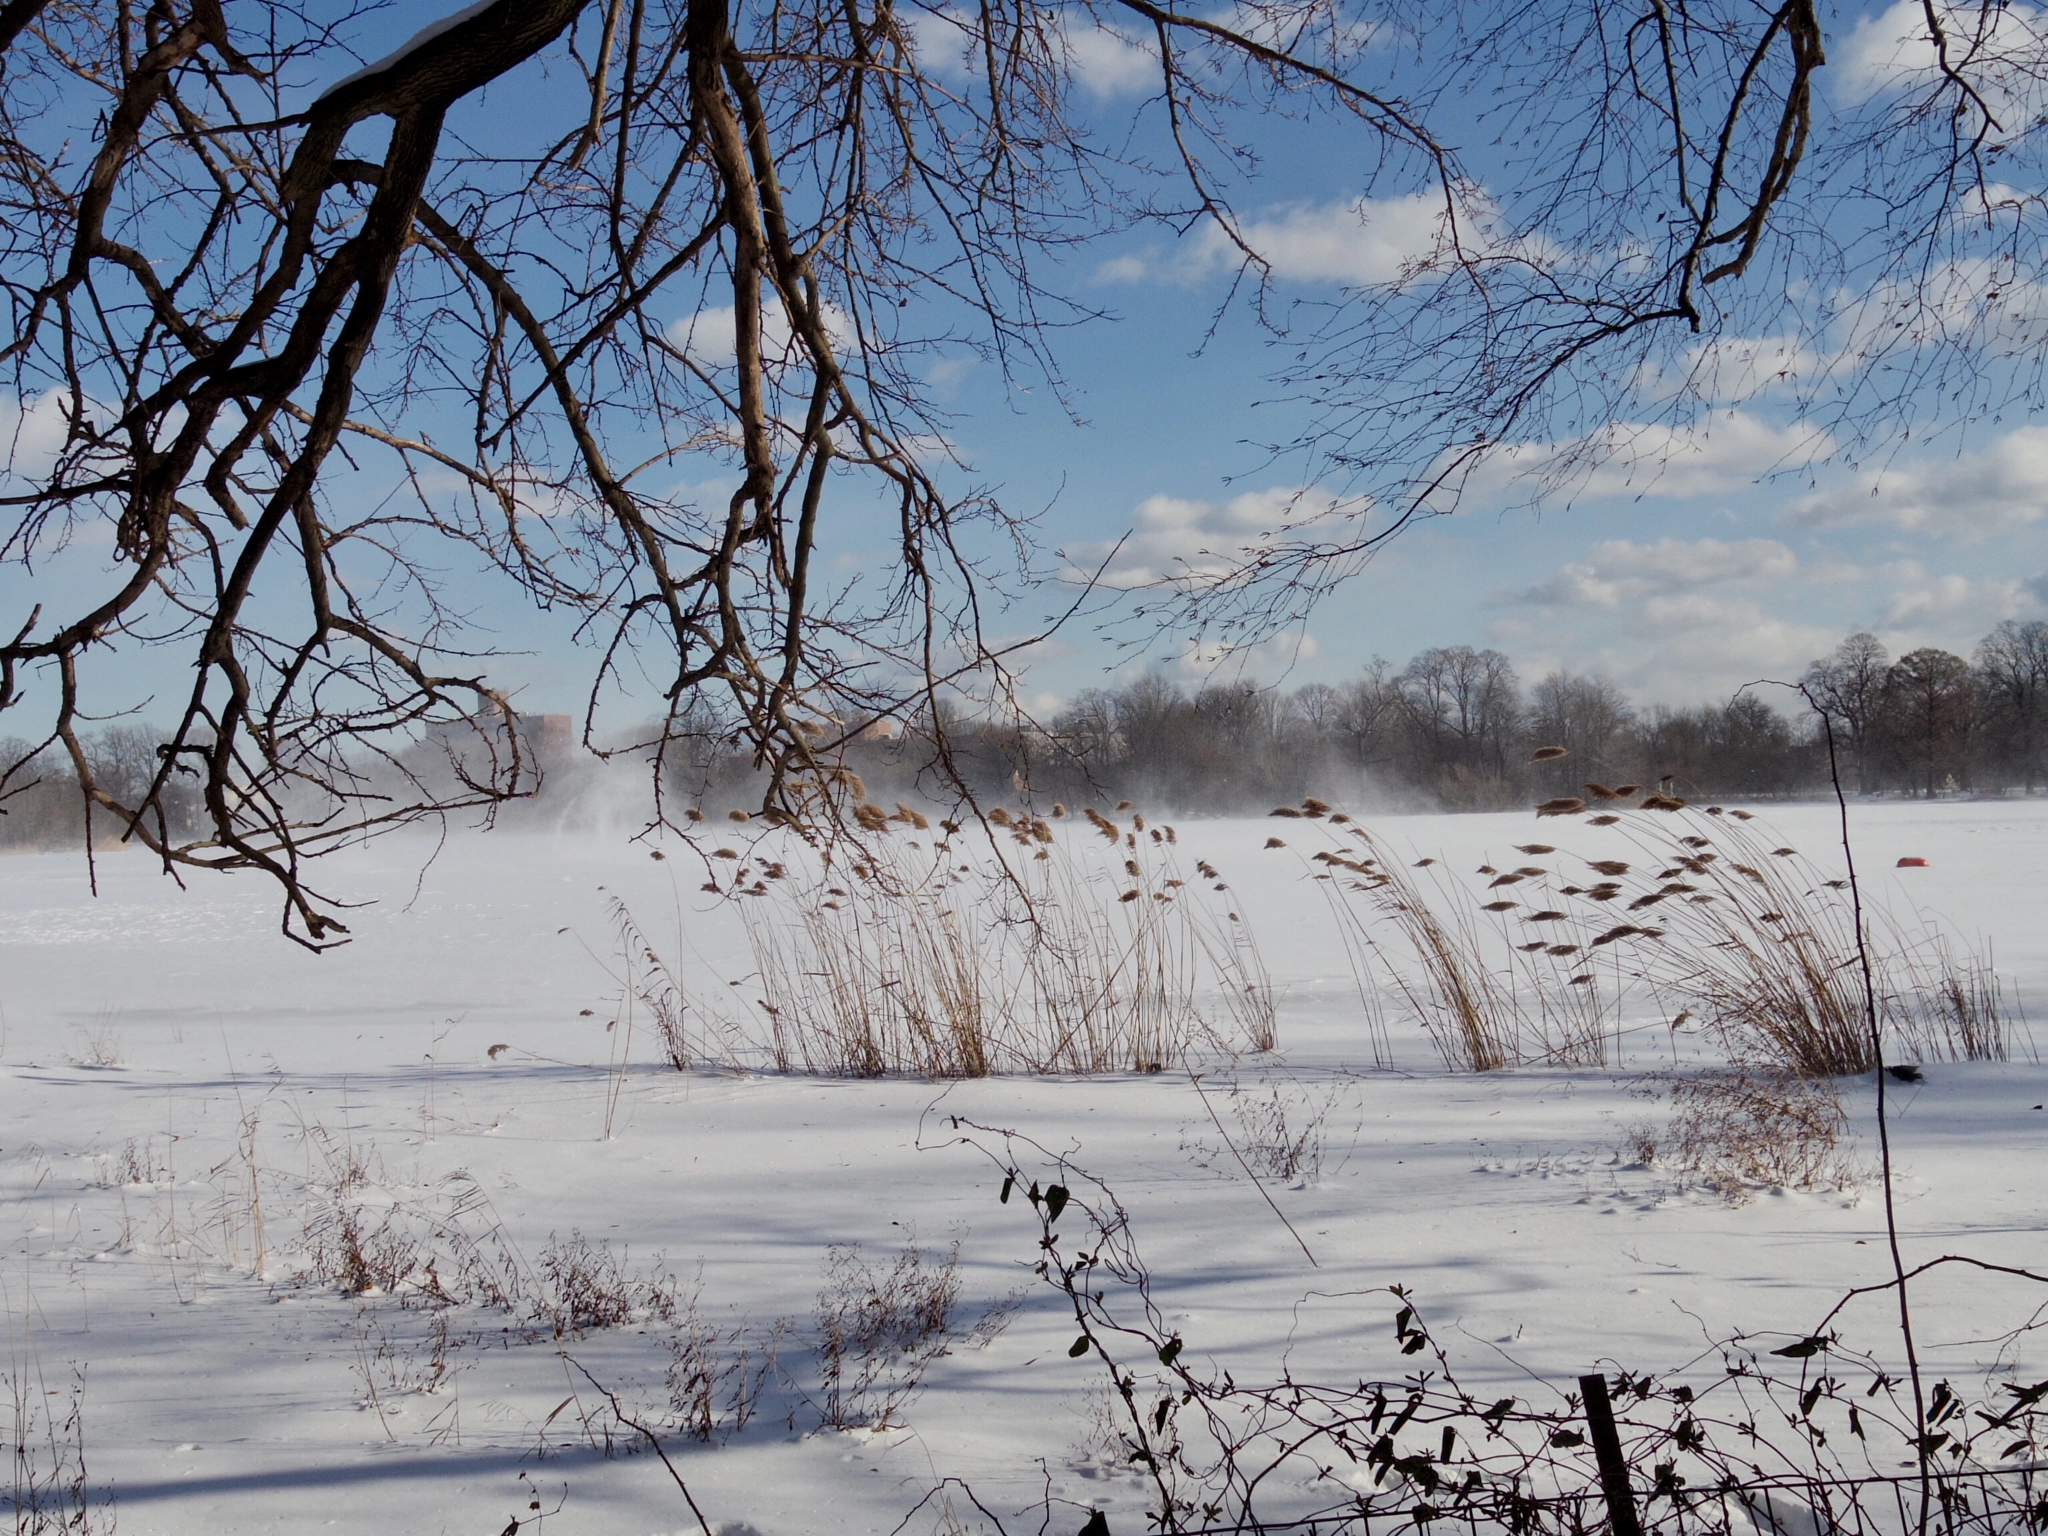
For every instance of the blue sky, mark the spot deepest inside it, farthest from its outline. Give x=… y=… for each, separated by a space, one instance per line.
x=1686 y=566
x=1700 y=575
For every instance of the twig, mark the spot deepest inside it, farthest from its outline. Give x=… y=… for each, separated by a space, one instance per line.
x=1884 y=1140
x=1196 y=1079
x=939 y=1489
x=619 y=1413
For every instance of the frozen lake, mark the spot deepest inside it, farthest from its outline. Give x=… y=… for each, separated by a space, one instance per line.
x=191 y=1099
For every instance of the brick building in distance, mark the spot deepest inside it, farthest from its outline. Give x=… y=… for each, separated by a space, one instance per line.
x=548 y=736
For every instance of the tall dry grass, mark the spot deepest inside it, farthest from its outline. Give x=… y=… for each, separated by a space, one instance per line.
x=1737 y=1131
x=880 y=978
x=1699 y=910
x=1077 y=949
x=1495 y=980
x=1762 y=943
x=696 y=1028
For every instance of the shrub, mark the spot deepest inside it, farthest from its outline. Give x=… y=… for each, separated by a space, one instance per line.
x=1740 y=1130
x=880 y=1329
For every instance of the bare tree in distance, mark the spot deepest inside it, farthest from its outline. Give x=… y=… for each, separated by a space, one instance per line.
x=1587 y=716
x=2012 y=685
x=1930 y=714
x=1849 y=684
x=303 y=342
x=1465 y=706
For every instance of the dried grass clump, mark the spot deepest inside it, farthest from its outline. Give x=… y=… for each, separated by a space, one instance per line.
x=884 y=979
x=443 y=1251
x=1709 y=913
x=1458 y=995
x=1738 y=1131
x=1762 y=943
x=693 y=1031
x=880 y=1328
x=1079 y=951
x=1277 y=1131
x=1524 y=977
x=1957 y=1007
x=717 y=1378
x=584 y=1288
x=51 y=1491
x=422 y=1264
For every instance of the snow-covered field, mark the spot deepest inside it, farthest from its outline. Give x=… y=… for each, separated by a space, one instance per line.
x=191 y=1099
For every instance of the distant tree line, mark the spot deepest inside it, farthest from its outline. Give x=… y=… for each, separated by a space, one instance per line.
x=1454 y=729
x=44 y=809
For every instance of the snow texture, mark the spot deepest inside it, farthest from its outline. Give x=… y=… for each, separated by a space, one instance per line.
x=160 y=1046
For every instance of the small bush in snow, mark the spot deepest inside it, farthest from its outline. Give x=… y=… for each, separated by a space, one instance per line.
x=1738 y=1131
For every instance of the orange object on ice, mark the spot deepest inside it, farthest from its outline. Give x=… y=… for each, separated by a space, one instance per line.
x=1912 y=864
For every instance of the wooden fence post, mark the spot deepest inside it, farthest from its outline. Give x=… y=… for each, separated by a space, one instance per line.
x=1621 y=1501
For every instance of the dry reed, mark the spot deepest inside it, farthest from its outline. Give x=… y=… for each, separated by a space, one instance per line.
x=1738 y=1131
x=1521 y=977
x=1080 y=950
x=1763 y=945
x=1711 y=910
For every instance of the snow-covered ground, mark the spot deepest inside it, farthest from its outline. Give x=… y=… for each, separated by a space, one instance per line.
x=189 y=1096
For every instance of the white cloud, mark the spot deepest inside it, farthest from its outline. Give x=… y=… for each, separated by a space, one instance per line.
x=1172 y=538
x=1203 y=661
x=1363 y=241
x=1995 y=46
x=943 y=40
x=1355 y=242
x=1725 y=451
x=1994 y=305
x=1109 y=64
x=1105 y=62
x=1957 y=606
x=31 y=434
x=1883 y=51
x=1284 y=24
x=1692 y=651
x=1733 y=369
x=710 y=336
x=1123 y=269
x=1680 y=620
x=1996 y=489
x=1688 y=620
x=1621 y=571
